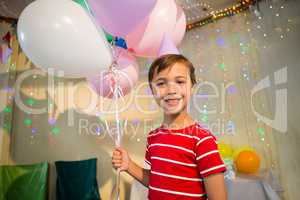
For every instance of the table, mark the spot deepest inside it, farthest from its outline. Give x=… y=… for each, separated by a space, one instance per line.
x=237 y=188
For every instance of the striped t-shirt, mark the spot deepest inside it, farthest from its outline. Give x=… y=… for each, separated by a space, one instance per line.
x=179 y=160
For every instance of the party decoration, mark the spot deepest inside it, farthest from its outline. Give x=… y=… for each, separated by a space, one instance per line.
x=84 y=4
x=146 y=39
x=219 y=14
x=120 y=42
x=114 y=84
x=230 y=173
x=5 y=53
x=30 y=101
x=232 y=89
x=7 y=37
x=222 y=66
x=261 y=132
x=167 y=47
x=61 y=35
x=204 y=118
x=247 y=162
x=120 y=17
x=51 y=121
x=55 y=130
x=237 y=151
x=7 y=109
x=225 y=150
x=109 y=37
x=7 y=127
x=125 y=75
x=27 y=122
x=221 y=42
x=33 y=130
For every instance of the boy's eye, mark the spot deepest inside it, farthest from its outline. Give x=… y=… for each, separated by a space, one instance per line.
x=180 y=82
x=160 y=83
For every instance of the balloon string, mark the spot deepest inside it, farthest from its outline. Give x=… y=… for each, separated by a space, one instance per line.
x=116 y=95
x=117 y=137
x=117 y=92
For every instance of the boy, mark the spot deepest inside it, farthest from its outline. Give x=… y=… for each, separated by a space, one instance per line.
x=183 y=157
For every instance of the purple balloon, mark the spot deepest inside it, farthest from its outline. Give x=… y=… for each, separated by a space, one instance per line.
x=119 y=17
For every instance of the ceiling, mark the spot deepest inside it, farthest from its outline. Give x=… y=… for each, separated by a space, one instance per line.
x=194 y=9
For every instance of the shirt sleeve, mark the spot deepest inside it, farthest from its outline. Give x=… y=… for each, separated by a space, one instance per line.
x=208 y=158
x=147 y=156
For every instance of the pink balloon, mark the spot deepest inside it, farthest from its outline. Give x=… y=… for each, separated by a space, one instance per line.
x=167 y=47
x=166 y=18
x=119 y=17
x=127 y=76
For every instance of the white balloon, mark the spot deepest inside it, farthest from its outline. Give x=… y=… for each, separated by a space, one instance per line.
x=60 y=34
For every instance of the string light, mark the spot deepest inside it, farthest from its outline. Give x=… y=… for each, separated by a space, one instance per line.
x=219 y=14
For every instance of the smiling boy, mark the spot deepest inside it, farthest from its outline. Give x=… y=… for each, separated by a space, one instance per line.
x=183 y=157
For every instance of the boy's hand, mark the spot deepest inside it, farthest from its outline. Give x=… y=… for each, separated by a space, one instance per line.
x=120 y=159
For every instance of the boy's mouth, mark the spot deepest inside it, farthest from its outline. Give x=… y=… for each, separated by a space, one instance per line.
x=172 y=101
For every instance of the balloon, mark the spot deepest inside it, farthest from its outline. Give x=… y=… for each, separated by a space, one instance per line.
x=127 y=76
x=84 y=4
x=166 y=19
x=167 y=47
x=59 y=34
x=239 y=150
x=109 y=37
x=225 y=150
x=120 y=42
x=247 y=162
x=120 y=17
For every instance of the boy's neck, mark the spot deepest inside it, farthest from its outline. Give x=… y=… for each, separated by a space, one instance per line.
x=177 y=121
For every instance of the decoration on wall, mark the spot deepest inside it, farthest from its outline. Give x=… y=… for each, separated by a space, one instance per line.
x=247 y=162
x=219 y=14
x=7 y=38
x=5 y=52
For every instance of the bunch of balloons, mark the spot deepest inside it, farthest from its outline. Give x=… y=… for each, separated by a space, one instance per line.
x=245 y=158
x=74 y=36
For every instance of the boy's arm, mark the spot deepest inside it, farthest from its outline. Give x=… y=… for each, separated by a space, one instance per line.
x=215 y=187
x=139 y=173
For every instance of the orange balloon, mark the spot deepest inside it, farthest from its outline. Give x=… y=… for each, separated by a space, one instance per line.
x=247 y=162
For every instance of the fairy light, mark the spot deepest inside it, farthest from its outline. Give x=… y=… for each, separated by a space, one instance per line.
x=55 y=131
x=219 y=14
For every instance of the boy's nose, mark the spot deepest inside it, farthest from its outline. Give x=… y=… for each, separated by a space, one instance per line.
x=171 y=89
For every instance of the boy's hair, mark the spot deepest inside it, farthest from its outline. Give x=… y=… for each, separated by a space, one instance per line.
x=168 y=60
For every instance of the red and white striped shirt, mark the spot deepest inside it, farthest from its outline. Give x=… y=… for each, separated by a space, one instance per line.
x=180 y=160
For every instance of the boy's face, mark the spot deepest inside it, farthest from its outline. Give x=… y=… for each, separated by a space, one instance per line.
x=172 y=88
